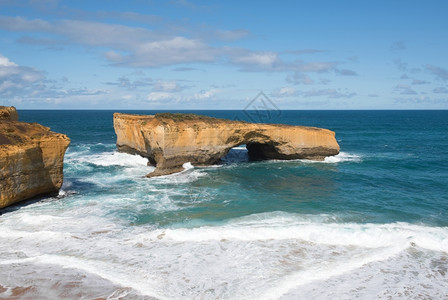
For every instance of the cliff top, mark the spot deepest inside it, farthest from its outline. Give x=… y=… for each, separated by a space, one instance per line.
x=16 y=133
x=180 y=117
x=189 y=118
x=175 y=117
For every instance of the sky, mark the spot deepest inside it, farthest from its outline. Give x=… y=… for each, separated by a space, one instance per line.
x=185 y=54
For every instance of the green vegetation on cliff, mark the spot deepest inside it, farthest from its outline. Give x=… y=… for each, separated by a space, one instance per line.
x=179 y=117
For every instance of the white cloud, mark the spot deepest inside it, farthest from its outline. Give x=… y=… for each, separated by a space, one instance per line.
x=204 y=94
x=140 y=47
x=125 y=82
x=5 y=62
x=157 y=96
x=329 y=93
x=316 y=66
x=82 y=92
x=168 y=52
x=176 y=97
x=285 y=91
x=5 y=85
x=271 y=62
x=18 y=80
x=257 y=58
x=102 y=34
x=29 y=87
x=167 y=86
x=113 y=56
x=325 y=93
x=422 y=100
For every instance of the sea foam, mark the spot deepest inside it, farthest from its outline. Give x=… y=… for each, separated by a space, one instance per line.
x=258 y=256
x=343 y=157
x=342 y=234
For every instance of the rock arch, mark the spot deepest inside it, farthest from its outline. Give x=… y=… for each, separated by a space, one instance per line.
x=170 y=140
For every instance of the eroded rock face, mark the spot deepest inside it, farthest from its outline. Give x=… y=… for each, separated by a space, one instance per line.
x=8 y=113
x=170 y=140
x=31 y=161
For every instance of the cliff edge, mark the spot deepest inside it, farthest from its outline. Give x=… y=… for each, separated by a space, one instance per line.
x=31 y=159
x=170 y=140
x=8 y=113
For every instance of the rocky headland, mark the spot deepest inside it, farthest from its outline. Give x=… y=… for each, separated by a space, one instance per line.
x=170 y=140
x=31 y=159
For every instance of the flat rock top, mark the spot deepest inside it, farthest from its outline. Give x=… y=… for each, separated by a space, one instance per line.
x=175 y=117
x=189 y=119
x=13 y=133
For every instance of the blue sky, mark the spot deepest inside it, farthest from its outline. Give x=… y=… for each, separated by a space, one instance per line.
x=186 y=54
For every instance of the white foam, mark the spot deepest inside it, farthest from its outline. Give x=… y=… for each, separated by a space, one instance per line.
x=107 y=159
x=339 y=158
x=99 y=169
x=346 y=234
x=410 y=274
x=62 y=193
x=263 y=255
x=189 y=174
x=116 y=274
x=343 y=157
x=39 y=235
x=324 y=271
x=240 y=147
x=188 y=166
x=161 y=202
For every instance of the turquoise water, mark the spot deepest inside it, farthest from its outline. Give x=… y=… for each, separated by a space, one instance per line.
x=368 y=223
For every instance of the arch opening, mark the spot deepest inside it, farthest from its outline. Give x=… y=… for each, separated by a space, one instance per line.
x=250 y=151
x=236 y=154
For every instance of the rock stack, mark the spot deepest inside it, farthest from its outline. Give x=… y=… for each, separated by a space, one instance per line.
x=170 y=140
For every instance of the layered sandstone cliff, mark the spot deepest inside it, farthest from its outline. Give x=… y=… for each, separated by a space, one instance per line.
x=170 y=140
x=31 y=160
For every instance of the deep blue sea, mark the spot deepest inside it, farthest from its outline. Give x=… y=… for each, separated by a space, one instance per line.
x=369 y=223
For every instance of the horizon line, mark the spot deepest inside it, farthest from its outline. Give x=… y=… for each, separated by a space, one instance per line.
x=202 y=109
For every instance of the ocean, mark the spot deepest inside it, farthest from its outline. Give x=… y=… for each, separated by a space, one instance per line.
x=369 y=223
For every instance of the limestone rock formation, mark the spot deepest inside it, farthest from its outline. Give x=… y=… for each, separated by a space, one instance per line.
x=8 y=113
x=170 y=140
x=31 y=159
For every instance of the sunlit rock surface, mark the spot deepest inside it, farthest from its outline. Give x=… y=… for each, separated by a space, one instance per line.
x=170 y=140
x=31 y=159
